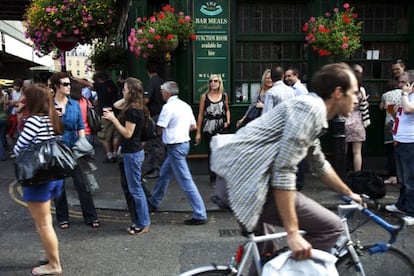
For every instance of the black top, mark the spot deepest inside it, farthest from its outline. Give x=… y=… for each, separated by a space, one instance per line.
x=153 y=93
x=133 y=144
x=107 y=93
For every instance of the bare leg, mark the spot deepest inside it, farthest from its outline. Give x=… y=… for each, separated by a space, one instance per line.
x=42 y=217
x=357 y=152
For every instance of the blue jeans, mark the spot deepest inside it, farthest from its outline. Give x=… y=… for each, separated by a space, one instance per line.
x=176 y=164
x=132 y=169
x=404 y=157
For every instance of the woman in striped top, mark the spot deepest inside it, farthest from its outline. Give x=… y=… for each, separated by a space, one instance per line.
x=42 y=124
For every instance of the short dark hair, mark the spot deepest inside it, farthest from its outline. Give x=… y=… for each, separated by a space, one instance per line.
x=75 y=90
x=277 y=73
x=18 y=82
x=153 y=67
x=56 y=77
x=329 y=77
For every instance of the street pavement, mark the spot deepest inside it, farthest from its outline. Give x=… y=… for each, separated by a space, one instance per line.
x=110 y=195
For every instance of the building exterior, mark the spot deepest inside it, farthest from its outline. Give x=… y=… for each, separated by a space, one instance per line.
x=244 y=37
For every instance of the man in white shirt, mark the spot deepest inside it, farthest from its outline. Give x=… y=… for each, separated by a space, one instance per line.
x=403 y=134
x=279 y=92
x=292 y=79
x=175 y=122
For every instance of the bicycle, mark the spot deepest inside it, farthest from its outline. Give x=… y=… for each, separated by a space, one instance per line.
x=354 y=258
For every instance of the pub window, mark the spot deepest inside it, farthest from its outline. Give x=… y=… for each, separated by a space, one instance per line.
x=267 y=34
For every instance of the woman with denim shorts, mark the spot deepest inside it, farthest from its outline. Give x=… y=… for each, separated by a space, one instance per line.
x=41 y=125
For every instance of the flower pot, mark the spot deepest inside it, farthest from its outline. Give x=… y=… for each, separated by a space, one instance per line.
x=66 y=43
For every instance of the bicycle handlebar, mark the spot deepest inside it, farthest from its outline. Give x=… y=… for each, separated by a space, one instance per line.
x=391 y=228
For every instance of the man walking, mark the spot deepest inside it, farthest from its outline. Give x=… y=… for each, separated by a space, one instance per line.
x=175 y=122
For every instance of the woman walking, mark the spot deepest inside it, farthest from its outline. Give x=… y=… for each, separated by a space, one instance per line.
x=42 y=125
x=130 y=125
x=71 y=116
x=213 y=115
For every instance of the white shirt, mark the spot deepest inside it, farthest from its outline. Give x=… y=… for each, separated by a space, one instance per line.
x=299 y=88
x=275 y=95
x=403 y=130
x=15 y=97
x=176 y=118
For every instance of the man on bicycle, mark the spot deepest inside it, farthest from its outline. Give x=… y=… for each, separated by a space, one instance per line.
x=265 y=153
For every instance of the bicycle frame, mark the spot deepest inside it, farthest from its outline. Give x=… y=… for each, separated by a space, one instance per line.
x=345 y=242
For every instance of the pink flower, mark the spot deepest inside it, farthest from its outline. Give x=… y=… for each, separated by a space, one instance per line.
x=344 y=46
x=139 y=19
x=312 y=19
x=59 y=35
x=150 y=46
x=336 y=10
x=346 y=6
x=187 y=18
x=151 y=30
x=58 y=22
x=327 y=14
x=76 y=31
x=153 y=19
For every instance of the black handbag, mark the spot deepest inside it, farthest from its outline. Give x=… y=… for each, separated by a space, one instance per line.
x=94 y=120
x=149 y=131
x=43 y=162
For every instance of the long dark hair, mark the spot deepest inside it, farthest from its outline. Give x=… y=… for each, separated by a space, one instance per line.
x=135 y=98
x=39 y=101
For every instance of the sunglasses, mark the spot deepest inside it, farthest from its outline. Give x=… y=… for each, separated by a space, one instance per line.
x=213 y=81
x=65 y=84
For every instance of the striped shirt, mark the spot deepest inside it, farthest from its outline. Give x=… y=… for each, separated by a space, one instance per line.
x=267 y=151
x=36 y=129
x=275 y=95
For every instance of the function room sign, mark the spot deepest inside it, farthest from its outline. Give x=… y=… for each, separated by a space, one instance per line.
x=211 y=47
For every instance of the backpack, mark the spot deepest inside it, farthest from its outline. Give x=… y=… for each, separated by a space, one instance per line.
x=149 y=130
x=93 y=118
x=366 y=182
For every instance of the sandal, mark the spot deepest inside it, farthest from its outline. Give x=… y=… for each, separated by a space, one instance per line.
x=133 y=230
x=64 y=224
x=94 y=224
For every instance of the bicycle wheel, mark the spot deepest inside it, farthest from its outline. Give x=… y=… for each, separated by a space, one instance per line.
x=391 y=262
x=208 y=270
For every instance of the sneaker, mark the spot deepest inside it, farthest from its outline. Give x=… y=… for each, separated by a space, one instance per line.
x=392 y=208
x=409 y=220
x=194 y=221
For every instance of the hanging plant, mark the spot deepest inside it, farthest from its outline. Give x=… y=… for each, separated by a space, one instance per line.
x=72 y=21
x=160 y=33
x=107 y=56
x=334 y=34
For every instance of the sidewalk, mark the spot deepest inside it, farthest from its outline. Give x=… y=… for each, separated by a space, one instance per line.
x=110 y=195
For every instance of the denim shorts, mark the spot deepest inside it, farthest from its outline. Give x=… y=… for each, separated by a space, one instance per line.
x=43 y=192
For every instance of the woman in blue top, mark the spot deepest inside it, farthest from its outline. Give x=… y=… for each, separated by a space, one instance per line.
x=130 y=125
x=42 y=124
x=71 y=115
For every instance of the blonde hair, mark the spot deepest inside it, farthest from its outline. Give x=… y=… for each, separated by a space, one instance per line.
x=262 y=84
x=214 y=76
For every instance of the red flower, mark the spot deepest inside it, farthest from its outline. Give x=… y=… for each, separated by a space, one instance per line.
x=170 y=37
x=193 y=37
x=157 y=37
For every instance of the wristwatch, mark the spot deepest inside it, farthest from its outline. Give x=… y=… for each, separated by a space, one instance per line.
x=404 y=93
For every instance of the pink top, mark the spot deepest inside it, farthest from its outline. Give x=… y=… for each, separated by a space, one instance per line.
x=83 y=102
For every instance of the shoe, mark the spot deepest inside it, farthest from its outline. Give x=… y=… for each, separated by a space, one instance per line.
x=194 y=221
x=41 y=270
x=64 y=224
x=392 y=180
x=392 y=208
x=151 y=207
x=133 y=230
x=94 y=224
x=408 y=220
x=154 y=174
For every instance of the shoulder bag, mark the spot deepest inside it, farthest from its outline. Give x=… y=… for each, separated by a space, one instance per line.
x=149 y=131
x=43 y=162
x=93 y=118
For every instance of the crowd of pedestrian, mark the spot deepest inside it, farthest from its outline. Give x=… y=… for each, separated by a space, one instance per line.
x=282 y=104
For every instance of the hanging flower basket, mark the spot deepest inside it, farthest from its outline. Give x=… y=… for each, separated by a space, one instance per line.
x=160 y=33
x=336 y=35
x=58 y=23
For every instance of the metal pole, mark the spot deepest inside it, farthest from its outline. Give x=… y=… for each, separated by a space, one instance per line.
x=338 y=137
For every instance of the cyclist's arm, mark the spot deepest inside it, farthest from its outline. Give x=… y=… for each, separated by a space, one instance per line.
x=285 y=202
x=335 y=182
